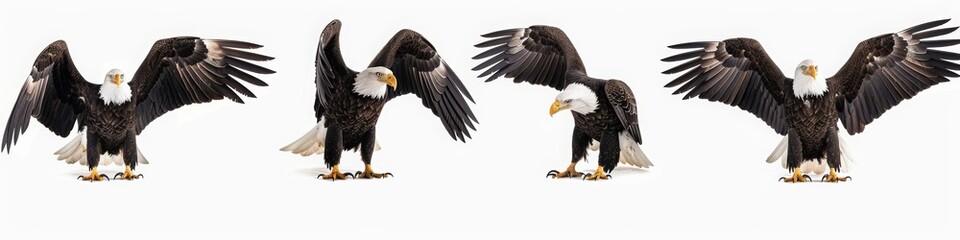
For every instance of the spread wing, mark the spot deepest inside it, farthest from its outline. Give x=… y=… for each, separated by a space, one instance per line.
x=890 y=68
x=736 y=72
x=625 y=105
x=188 y=70
x=330 y=66
x=52 y=94
x=539 y=55
x=421 y=71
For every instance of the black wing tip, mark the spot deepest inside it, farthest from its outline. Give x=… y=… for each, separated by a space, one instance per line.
x=234 y=43
x=502 y=32
x=938 y=22
x=927 y=25
x=688 y=45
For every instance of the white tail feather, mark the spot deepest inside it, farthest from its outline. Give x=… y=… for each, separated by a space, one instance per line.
x=630 y=152
x=846 y=157
x=779 y=152
x=819 y=167
x=76 y=151
x=312 y=142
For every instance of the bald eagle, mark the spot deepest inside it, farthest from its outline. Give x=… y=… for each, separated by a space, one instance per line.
x=603 y=110
x=881 y=72
x=176 y=72
x=348 y=103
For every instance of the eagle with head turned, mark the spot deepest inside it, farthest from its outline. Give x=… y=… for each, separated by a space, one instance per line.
x=604 y=111
x=176 y=72
x=882 y=72
x=348 y=103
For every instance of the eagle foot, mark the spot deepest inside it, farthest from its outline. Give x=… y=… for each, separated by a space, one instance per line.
x=127 y=175
x=797 y=177
x=333 y=176
x=368 y=173
x=571 y=172
x=336 y=175
x=372 y=175
x=94 y=176
x=834 y=178
x=599 y=175
x=564 y=174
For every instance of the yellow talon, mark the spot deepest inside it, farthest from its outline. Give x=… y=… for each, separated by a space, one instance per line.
x=571 y=172
x=834 y=178
x=94 y=176
x=369 y=174
x=797 y=177
x=127 y=174
x=335 y=174
x=598 y=175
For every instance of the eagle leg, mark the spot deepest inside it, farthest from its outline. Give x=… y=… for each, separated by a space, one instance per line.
x=336 y=175
x=599 y=175
x=94 y=176
x=834 y=178
x=127 y=174
x=571 y=172
x=369 y=174
x=797 y=177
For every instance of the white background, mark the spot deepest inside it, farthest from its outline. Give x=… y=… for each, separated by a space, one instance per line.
x=216 y=169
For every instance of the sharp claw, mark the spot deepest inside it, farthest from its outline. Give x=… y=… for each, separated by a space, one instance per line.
x=609 y=176
x=116 y=176
x=848 y=178
x=319 y=176
x=808 y=178
x=139 y=176
x=80 y=177
x=351 y=175
x=105 y=176
x=388 y=174
x=824 y=178
x=782 y=179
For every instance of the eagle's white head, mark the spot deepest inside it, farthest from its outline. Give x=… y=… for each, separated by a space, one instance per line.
x=576 y=97
x=805 y=81
x=372 y=82
x=115 y=89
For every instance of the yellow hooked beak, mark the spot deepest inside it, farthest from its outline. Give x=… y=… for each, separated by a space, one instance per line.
x=116 y=79
x=556 y=107
x=811 y=71
x=390 y=80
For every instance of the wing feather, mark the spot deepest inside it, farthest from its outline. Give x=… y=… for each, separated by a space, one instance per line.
x=539 y=55
x=887 y=69
x=188 y=70
x=421 y=71
x=52 y=93
x=735 y=72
